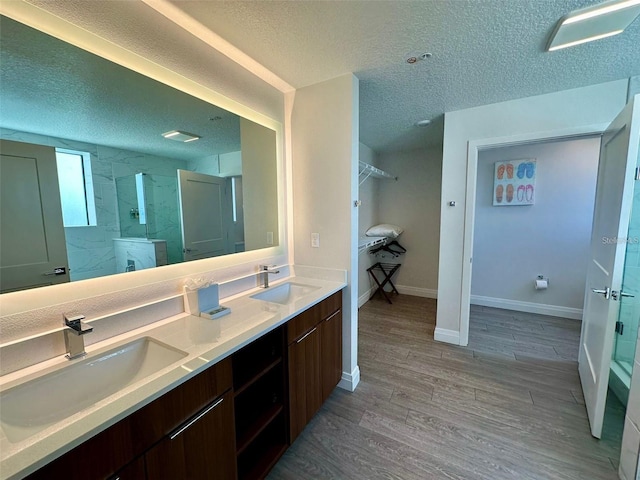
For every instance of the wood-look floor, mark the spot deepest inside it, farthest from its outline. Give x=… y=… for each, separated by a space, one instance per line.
x=509 y=406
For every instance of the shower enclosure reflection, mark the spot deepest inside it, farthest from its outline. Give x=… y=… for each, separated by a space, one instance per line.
x=148 y=209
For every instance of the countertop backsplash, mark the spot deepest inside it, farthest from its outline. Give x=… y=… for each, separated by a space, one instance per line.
x=33 y=336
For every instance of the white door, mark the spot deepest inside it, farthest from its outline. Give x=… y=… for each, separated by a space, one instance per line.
x=614 y=195
x=33 y=252
x=205 y=213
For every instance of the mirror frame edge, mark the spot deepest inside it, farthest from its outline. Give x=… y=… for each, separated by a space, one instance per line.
x=46 y=22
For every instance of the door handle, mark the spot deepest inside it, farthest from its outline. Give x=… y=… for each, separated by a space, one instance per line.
x=309 y=333
x=606 y=292
x=182 y=428
x=56 y=271
x=615 y=294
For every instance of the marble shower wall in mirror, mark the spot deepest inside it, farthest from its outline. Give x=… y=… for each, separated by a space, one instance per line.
x=57 y=95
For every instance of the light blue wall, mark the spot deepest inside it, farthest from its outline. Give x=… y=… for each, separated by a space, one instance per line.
x=514 y=244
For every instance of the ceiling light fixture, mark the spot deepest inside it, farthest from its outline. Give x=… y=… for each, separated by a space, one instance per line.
x=423 y=123
x=593 y=23
x=179 y=136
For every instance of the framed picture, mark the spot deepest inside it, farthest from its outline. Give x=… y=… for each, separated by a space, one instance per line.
x=514 y=182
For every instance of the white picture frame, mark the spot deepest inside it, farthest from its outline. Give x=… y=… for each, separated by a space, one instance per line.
x=514 y=182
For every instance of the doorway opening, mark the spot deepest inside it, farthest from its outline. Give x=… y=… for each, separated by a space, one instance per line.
x=532 y=256
x=517 y=244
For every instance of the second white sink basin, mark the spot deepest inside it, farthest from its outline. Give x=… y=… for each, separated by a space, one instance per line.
x=285 y=293
x=34 y=405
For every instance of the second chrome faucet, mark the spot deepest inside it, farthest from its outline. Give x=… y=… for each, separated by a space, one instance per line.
x=263 y=275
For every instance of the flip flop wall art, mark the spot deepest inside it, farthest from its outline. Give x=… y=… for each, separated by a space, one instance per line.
x=514 y=182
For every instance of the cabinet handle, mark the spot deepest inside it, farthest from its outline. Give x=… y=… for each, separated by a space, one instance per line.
x=332 y=315
x=308 y=333
x=195 y=419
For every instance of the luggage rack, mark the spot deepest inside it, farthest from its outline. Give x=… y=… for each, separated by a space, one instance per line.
x=387 y=270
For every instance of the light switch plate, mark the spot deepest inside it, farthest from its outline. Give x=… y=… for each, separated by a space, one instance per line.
x=269 y=238
x=315 y=240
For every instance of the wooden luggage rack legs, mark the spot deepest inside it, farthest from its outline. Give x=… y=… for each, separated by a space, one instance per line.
x=387 y=270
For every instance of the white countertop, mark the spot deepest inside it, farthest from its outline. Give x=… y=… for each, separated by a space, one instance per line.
x=206 y=342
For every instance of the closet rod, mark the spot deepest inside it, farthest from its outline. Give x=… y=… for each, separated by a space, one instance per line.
x=371 y=171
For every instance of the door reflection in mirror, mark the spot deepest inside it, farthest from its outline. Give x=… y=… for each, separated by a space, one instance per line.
x=57 y=95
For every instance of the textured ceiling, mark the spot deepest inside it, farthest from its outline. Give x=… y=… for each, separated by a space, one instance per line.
x=52 y=88
x=484 y=51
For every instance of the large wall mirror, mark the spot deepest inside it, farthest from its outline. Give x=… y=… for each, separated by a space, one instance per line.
x=106 y=171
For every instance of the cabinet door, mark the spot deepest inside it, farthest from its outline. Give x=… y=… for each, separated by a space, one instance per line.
x=202 y=448
x=305 y=387
x=331 y=353
x=134 y=471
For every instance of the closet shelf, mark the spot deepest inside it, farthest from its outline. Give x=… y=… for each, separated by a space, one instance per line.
x=365 y=171
x=367 y=242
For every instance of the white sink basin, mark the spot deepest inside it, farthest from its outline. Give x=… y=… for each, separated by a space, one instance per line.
x=285 y=293
x=32 y=406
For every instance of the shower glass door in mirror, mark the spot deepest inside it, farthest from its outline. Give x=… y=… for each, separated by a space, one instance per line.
x=129 y=136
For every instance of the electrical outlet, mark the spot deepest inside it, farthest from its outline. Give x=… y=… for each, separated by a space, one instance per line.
x=315 y=240
x=269 y=238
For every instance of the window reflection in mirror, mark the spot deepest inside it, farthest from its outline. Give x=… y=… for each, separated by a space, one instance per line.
x=131 y=199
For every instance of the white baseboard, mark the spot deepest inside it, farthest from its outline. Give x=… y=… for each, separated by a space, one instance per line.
x=364 y=298
x=417 y=292
x=528 y=307
x=350 y=381
x=447 y=336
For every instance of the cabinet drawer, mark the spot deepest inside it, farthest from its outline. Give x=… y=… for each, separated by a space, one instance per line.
x=121 y=443
x=308 y=319
x=203 y=448
x=330 y=305
x=160 y=417
x=301 y=324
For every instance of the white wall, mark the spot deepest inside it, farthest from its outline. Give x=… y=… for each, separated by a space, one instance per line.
x=367 y=217
x=546 y=114
x=413 y=203
x=231 y=163
x=324 y=136
x=259 y=182
x=512 y=245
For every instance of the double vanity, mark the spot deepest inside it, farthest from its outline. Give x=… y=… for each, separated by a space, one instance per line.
x=184 y=397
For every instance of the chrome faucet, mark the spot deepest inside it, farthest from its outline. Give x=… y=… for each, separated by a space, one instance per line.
x=263 y=276
x=74 y=335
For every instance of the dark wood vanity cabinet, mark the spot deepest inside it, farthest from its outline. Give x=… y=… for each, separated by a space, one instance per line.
x=305 y=387
x=331 y=353
x=232 y=421
x=203 y=448
x=136 y=470
x=315 y=360
x=260 y=401
x=119 y=450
